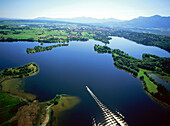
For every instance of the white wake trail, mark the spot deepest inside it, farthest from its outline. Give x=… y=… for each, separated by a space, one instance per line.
x=111 y=119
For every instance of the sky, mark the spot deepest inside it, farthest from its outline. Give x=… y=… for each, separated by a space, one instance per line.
x=119 y=9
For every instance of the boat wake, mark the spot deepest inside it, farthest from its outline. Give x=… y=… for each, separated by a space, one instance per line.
x=111 y=119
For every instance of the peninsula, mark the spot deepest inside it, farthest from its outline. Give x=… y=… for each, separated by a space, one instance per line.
x=21 y=108
x=142 y=68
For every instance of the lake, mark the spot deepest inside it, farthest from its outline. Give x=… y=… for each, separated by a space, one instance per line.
x=67 y=70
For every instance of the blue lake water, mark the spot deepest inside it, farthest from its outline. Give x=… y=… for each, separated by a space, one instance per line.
x=67 y=70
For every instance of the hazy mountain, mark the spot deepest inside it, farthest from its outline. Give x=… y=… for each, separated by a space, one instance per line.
x=81 y=19
x=155 y=21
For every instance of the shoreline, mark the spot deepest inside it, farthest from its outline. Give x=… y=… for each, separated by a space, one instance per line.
x=19 y=91
x=48 y=108
x=153 y=98
x=157 y=100
x=11 y=85
x=66 y=103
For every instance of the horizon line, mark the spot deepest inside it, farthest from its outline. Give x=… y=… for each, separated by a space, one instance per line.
x=79 y=17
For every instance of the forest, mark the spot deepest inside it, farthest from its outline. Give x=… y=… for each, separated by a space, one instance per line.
x=145 y=38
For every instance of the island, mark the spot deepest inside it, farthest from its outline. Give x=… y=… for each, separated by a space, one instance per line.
x=19 y=72
x=141 y=68
x=42 y=49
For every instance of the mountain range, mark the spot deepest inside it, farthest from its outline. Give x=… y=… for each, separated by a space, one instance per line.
x=155 y=21
x=81 y=19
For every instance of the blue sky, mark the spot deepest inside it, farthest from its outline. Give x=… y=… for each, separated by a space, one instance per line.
x=120 y=9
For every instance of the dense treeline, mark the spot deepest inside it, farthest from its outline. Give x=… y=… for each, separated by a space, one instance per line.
x=21 y=71
x=150 y=62
x=102 y=49
x=124 y=61
x=42 y=49
x=121 y=59
x=145 y=38
x=16 y=39
x=156 y=63
x=67 y=39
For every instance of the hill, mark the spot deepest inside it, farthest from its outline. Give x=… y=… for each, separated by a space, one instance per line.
x=155 y=21
x=80 y=19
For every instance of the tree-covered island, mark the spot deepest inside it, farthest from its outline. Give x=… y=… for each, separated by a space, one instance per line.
x=42 y=49
x=19 y=72
x=141 y=67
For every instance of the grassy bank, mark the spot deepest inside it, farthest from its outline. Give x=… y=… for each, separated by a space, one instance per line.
x=151 y=87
